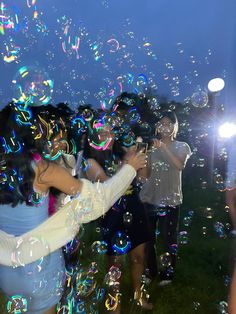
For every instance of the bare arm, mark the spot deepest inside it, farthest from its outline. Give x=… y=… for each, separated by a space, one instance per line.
x=95 y=172
x=53 y=175
x=93 y=201
x=177 y=160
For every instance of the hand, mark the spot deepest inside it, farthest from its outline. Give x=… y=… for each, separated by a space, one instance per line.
x=158 y=144
x=136 y=160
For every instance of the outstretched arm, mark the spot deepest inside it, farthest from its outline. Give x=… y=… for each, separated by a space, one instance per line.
x=93 y=201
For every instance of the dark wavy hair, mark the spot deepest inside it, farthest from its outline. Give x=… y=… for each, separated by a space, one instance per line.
x=23 y=136
x=101 y=156
x=17 y=150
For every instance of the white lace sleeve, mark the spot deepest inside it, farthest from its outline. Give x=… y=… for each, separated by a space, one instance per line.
x=94 y=200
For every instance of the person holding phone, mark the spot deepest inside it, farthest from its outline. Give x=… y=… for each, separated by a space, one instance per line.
x=162 y=193
x=125 y=226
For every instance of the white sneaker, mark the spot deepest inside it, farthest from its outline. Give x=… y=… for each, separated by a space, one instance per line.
x=163 y=283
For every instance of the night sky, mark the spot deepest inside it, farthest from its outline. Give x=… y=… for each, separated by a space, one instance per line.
x=90 y=51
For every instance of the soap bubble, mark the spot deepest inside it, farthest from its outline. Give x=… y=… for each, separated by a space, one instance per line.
x=33 y=245
x=165 y=260
x=17 y=304
x=99 y=247
x=32 y=85
x=183 y=237
x=127 y=218
x=121 y=243
x=199 y=99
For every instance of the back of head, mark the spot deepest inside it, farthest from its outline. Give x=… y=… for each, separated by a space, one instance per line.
x=17 y=148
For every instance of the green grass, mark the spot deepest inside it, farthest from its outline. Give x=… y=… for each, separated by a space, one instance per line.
x=204 y=262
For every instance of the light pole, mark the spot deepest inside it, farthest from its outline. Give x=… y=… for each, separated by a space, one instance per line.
x=215 y=85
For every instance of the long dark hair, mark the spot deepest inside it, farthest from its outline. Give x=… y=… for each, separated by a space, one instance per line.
x=24 y=135
x=17 y=150
x=103 y=157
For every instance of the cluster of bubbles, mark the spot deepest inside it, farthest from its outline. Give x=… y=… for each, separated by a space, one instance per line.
x=33 y=85
x=116 y=55
x=112 y=281
x=82 y=293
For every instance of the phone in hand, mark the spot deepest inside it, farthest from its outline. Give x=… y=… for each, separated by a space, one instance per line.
x=140 y=146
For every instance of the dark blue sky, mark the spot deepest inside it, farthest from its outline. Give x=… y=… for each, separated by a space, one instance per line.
x=174 y=46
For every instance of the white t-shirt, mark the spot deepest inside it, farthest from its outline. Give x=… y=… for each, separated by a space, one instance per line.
x=164 y=186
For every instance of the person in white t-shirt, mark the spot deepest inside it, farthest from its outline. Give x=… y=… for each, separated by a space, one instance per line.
x=162 y=193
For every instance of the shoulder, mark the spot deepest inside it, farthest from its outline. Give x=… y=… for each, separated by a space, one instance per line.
x=46 y=170
x=182 y=145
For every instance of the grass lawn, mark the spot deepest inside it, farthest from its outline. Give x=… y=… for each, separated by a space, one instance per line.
x=204 y=264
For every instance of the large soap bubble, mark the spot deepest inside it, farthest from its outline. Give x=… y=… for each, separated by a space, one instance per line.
x=32 y=85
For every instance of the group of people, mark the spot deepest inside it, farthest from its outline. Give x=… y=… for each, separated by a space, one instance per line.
x=60 y=169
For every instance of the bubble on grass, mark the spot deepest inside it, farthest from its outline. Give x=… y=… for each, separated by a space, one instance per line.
x=187 y=221
x=145 y=279
x=80 y=307
x=121 y=243
x=99 y=247
x=196 y=306
x=183 y=237
x=208 y=212
x=222 y=307
x=200 y=163
x=220 y=229
x=173 y=248
x=204 y=231
x=113 y=276
x=112 y=301
x=219 y=181
x=204 y=185
x=85 y=284
x=165 y=260
x=228 y=226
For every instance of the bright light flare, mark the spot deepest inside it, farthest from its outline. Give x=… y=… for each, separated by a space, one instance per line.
x=216 y=85
x=227 y=130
